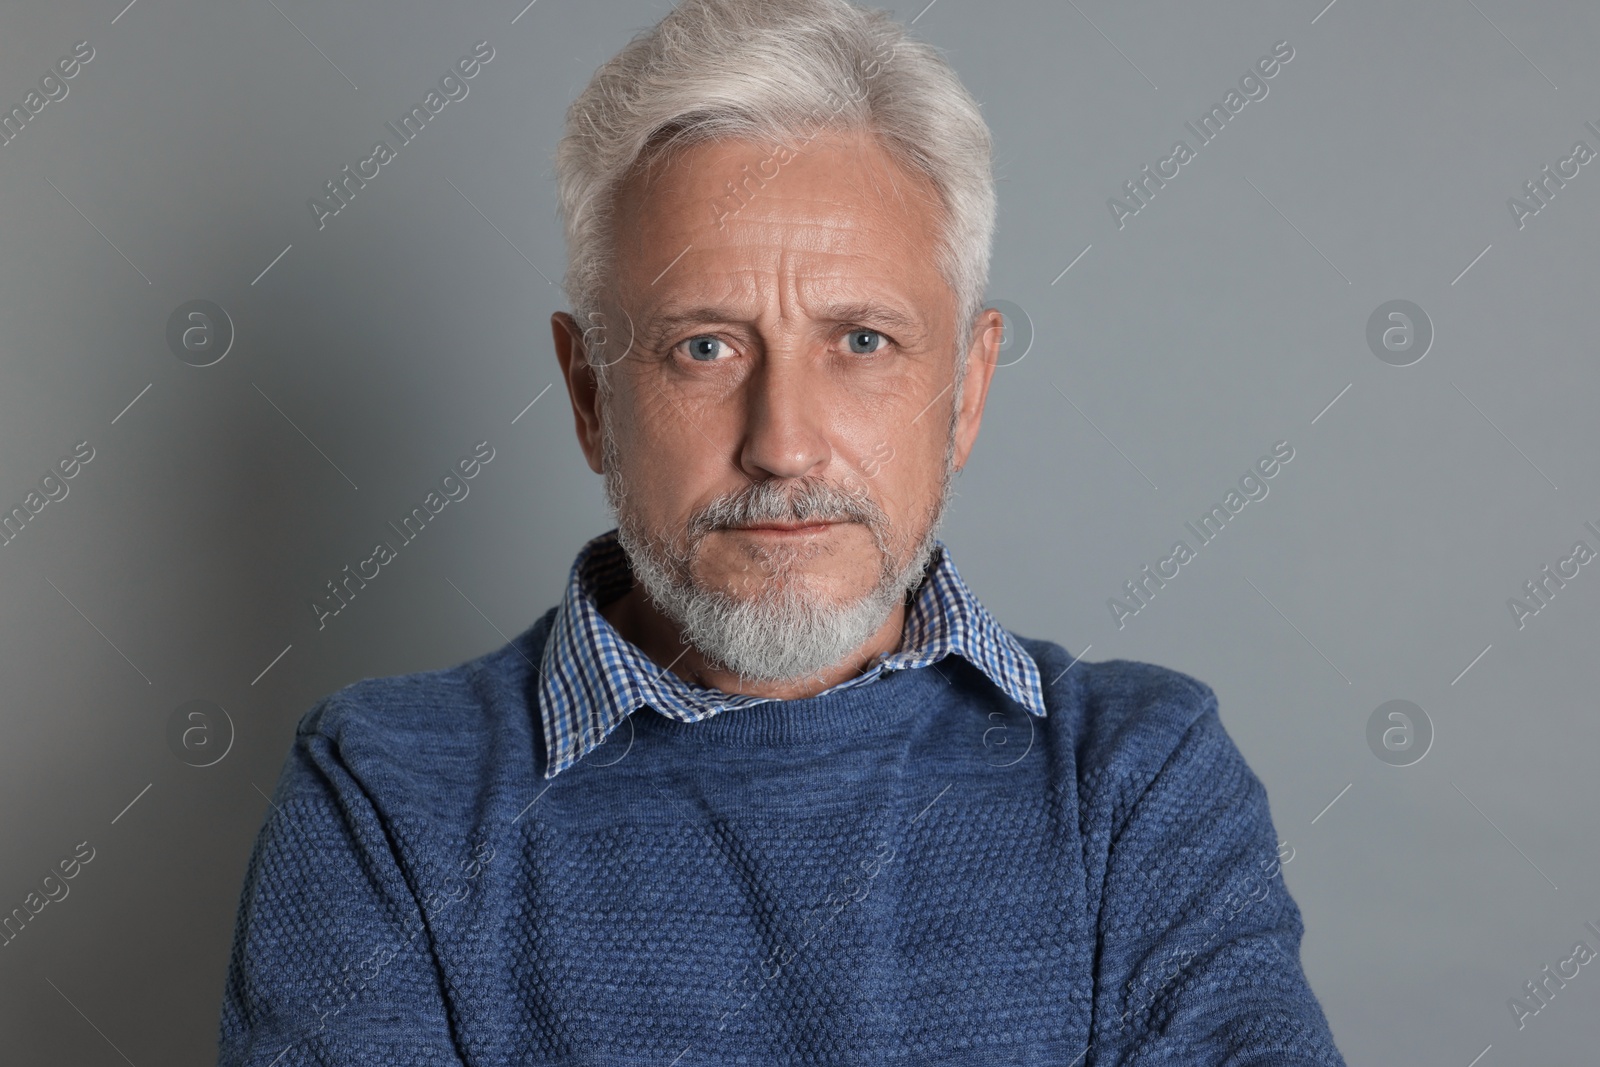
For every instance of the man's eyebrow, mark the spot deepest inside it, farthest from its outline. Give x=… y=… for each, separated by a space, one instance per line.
x=657 y=329
x=869 y=314
x=866 y=314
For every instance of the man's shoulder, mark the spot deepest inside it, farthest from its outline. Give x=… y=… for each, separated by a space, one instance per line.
x=1143 y=736
x=433 y=721
x=1123 y=713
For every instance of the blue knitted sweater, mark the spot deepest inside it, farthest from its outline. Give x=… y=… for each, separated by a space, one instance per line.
x=915 y=871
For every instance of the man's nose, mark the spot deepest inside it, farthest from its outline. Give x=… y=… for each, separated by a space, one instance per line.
x=786 y=417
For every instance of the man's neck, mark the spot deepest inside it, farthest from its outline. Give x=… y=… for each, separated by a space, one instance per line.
x=639 y=621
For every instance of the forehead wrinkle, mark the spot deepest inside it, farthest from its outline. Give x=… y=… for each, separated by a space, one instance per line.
x=859 y=228
x=836 y=283
x=832 y=297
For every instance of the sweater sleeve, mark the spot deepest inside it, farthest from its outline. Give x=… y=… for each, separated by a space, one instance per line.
x=331 y=960
x=1199 y=940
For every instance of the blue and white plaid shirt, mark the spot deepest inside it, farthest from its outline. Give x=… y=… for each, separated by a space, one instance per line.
x=591 y=677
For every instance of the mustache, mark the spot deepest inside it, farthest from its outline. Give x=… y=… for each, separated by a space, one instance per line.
x=815 y=500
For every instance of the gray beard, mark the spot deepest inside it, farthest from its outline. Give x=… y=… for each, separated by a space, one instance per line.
x=784 y=633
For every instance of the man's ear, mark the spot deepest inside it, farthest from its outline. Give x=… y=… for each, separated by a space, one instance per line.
x=983 y=354
x=583 y=388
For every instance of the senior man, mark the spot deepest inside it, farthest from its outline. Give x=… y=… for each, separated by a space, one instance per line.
x=769 y=784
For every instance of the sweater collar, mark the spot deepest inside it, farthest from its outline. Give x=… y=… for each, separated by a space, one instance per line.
x=591 y=677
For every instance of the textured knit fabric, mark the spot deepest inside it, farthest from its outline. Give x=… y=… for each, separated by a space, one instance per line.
x=911 y=871
x=591 y=678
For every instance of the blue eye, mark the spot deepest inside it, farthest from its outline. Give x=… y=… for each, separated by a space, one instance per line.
x=861 y=341
x=704 y=348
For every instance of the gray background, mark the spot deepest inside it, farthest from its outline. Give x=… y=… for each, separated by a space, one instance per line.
x=1227 y=315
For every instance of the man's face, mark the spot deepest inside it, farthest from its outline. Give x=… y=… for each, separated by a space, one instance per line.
x=782 y=424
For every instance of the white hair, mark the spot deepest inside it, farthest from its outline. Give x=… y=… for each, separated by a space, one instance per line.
x=772 y=71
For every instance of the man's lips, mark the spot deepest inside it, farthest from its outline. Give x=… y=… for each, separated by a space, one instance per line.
x=787 y=527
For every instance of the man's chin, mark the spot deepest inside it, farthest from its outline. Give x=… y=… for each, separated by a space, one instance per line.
x=781 y=634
